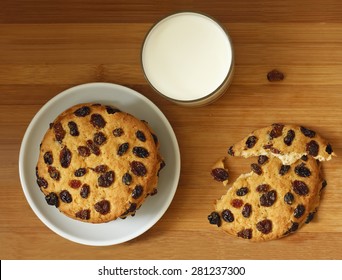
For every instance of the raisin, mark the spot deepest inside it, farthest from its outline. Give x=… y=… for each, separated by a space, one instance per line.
x=293 y=228
x=245 y=233
x=117 y=132
x=307 y=132
x=100 y=168
x=277 y=130
x=106 y=179
x=246 y=210
x=264 y=226
x=256 y=168
x=329 y=149
x=48 y=158
x=231 y=151
x=154 y=192
x=140 y=135
x=251 y=141
x=75 y=184
x=137 y=191
x=138 y=168
x=268 y=199
x=127 y=179
x=219 y=174
x=83 y=151
x=262 y=188
x=214 y=219
x=97 y=121
x=300 y=188
x=122 y=149
x=236 y=203
x=284 y=169
x=54 y=173
x=85 y=190
x=299 y=211
x=312 y=148
x=242 y=191
x=93 y=147
x=99 y=138
x=82 y=112
x=227 y=216
x=52 y=199
x=262 y=159
x=324 y=184
x=289 y=198
x=65 y=196
x=155 y=138
x=73 y=129
x=42 y=182
x=83 y=214
x=310 y=217
x=140 y=152
x=275 y=76
x=103 y=207
x=304 y=158
x=288 y=139
x=272 y=149
x=80 y=172
x=59 y=132
x=112 y=110
x=132 y=207
x=65 y=157
x=302 y=171
x=161 y=166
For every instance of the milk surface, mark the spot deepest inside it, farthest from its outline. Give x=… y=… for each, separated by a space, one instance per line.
x=187 y=56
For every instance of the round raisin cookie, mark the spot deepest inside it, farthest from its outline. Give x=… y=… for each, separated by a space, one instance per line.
x=287 y=142
x=271 y=201
x=97 y=163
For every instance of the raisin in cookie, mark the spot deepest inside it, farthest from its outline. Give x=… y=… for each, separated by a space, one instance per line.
x=271 y=201
x=97 y=163
x=287 y=142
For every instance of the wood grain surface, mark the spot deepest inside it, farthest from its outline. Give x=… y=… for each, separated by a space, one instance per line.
x=49 y=46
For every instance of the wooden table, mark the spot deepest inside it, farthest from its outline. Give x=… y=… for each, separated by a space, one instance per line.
x=49 y=46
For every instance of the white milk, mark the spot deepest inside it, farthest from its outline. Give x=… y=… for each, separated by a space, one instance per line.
x=187 y=56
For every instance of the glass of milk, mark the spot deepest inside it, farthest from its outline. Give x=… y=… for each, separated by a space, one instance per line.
x=187 y=57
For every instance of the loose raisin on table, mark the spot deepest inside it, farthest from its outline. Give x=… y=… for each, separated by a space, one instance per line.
x=245 y=233
x=288 y=139
x=220 y=174
x=82 y=112
x=262 y=188
x=83 y=214
x=289 y=198
x=75 y=184
x=122 y=149
x=312 y=148
x=236 y=203
x=80 y=172
x=262 y=159
x=85 y=190
x=256 y=168
x=300 y=188
x=277 y=130
x=99 y=138
x=117 y=132
x=227 y=216
x=73 y=129
x=299 y=211
x=127 y=179
x=302 y=171
x=48 y=158
x=307 y=132
x=251 y=141
x=59 y=131
x=54 y=173
x=242 y=191
x=284 y=169
x=97 y=121
x=137 y=191
x=138 y=168
x=65 y=157
x=140 y=152
x=93 y=147
x=264 y=226
x=103 y=207
x=140 y=135
x=268 y=199
x=65 y=196
x=106 y=179
x=329 y=149
x=246 y=210
x=214 y=219
x=275 y=76
x=83 y=151
x=52 y=199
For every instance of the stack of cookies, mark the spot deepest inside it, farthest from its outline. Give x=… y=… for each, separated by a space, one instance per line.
x=97 y=163
x=282 y=191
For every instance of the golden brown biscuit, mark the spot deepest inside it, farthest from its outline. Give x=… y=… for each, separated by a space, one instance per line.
x=97 y=163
